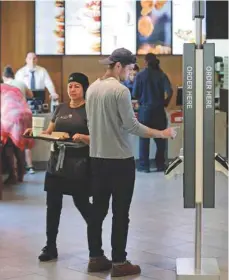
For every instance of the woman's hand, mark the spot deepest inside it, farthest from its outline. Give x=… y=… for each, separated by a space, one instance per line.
x=169 y=133
x=77 y=137
x=28 y=132
x=81 y=138
x=46 y=132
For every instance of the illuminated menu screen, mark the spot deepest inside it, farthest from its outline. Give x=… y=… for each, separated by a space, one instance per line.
x=49 y=27
x=154 y=24
x=118 y=25
x=83 y=27
x=183 y=25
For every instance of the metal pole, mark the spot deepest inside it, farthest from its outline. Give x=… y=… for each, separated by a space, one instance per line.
x=199 y=206
x=198 y=236
x=198 y=25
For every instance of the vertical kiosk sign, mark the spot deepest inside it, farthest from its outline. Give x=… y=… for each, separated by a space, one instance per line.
x=199 y=145
x=209 y=126
x=189 y=101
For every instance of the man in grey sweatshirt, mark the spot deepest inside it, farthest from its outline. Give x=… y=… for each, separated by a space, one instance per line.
x=110 y=120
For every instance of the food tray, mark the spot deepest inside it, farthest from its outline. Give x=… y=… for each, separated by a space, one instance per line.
x=48 y=138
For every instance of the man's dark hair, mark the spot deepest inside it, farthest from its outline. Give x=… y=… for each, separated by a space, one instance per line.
x=8 y=72
x=111 y=66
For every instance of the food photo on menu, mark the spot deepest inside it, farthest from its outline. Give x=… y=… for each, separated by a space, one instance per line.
x=154 y=27
x=60 y=3
x=49 y=27
x=60 y=26
x=122 y=32
x=183 y=25
x=83 y=27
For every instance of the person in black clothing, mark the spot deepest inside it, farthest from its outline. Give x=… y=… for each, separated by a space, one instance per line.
x=72 y=176
x=153 y=91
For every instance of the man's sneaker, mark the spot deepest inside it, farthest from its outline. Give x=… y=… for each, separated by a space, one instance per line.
x=48 y=254
x=99 y=264
x=31 y=170
x=125 y=269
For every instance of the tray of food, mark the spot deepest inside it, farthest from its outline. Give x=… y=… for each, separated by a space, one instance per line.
x=54 y=136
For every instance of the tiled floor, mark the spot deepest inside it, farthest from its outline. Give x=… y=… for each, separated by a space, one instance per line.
x=160 y=231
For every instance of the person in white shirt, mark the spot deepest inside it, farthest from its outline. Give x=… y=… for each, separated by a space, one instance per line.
x=35 y=77
x=8 y=78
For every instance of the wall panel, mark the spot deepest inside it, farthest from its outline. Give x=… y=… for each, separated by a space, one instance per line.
x=172 y=65
x=17 y=39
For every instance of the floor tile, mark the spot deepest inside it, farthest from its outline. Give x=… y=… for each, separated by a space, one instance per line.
x=8 y=271
x=224 y=276
x=31 y=277
x=160 y=231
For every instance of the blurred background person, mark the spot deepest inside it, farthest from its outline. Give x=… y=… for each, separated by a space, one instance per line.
x=8 y=77
x=153 y=91
x=130 y=81
x=15 y=118
x=36 y=78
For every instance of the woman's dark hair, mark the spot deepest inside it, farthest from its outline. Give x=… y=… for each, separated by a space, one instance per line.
x=8 y=72
x=136 y=68
x=152 y=61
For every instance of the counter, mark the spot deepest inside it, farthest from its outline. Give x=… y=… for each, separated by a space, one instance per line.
x=41 y=150
x=220 y=136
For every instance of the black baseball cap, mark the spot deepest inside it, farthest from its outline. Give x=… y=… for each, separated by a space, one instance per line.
x=121 y=55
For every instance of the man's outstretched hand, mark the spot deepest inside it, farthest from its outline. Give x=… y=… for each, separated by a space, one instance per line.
x=169 y=132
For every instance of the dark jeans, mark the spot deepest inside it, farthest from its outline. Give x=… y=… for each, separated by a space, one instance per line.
x=54 y=207
x=111 y=177
x=153 y=118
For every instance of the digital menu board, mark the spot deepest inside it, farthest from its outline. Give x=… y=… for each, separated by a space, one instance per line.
x=154 y=27
x=83 y=27
x=118 y=25
x=184 y=25
x=49 y=27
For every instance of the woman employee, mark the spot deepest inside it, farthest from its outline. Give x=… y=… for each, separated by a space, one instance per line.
x=68 y=166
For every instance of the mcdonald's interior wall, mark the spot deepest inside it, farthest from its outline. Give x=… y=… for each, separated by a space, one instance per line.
x=17 y=38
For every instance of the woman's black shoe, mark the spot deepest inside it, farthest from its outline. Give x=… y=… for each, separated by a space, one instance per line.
x=48 y=254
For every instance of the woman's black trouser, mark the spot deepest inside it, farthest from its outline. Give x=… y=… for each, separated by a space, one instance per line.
x=153 y=118
x=54 y=207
